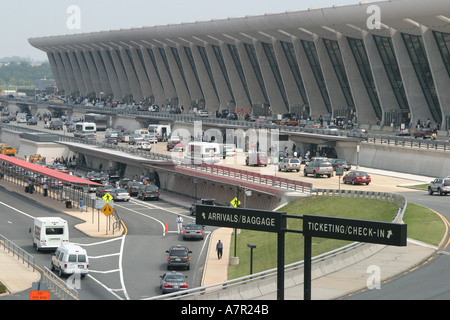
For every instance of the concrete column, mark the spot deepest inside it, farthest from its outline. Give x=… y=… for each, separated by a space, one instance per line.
x=131 y=75
x=143 y=79
x=157 y=88
x=112 y=76
x=182 y=92
x=88 y=81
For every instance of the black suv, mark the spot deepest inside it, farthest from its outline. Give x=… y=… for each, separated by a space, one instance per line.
x=56 y=125
x=148 y=191
x=209 y=202
x=178 y=257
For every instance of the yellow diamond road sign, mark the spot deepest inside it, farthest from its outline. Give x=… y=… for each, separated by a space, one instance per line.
x=107 y=197
x=107 y=210
x=235 y=202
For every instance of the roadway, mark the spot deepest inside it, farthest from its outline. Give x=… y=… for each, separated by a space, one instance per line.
x=125 y=267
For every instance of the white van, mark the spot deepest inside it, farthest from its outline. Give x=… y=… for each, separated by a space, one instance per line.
x=81 y=128
x=49 y=233
x=70 y=259
x=203 y=152
x=161 y=131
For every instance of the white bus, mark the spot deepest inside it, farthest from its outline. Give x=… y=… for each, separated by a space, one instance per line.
x=203 y=152
x=81 y=128
x=50 y=233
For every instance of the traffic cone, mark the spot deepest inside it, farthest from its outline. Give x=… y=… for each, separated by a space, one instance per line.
x=167 y=229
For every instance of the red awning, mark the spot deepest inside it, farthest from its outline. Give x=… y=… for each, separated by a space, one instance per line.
x=64 y=177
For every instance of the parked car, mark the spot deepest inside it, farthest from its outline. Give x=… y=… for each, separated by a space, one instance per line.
x=340 y=163
x=56 y=125
x=222 y=113
x=257 y=159
x=120 y=194
x=143 y=145
x=100 y=192
x=289 y=164
x=232 y=116
x=111 y=141
x=90 y=136
x=439 y=185
x=178 y=257
x=202 y=113
x=403 y=132
x=148 y=191
x=173 y=282
x=357 y=177
x=318 y=167
x=58 y=167
x=32 y=122
x=174 y=143
x=134 y=138
x=124 y=137
x=282 y=155
x=209 y=202
x=424 y=133
x=193 y=231
x=133 y=187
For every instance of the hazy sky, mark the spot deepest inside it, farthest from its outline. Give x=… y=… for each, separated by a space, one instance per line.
x=23 y=19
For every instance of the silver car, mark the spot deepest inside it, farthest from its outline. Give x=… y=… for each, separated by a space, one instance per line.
x=120 y=194
x=318 y=167
x=172 y=282
x=193 y=231
x=289 y=164
x=439 y=185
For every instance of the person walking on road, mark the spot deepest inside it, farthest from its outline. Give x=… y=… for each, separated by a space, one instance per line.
x=179 y=224
x=219 y=249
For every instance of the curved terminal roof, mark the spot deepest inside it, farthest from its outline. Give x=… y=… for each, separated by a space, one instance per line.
x=402 y=15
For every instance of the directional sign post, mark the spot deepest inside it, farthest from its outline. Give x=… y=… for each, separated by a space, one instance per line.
x=387 y=233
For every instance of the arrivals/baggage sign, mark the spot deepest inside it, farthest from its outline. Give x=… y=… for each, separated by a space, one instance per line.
x=355 y=230
x=270 y=221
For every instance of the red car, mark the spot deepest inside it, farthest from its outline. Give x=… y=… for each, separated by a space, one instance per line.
x=355 y=177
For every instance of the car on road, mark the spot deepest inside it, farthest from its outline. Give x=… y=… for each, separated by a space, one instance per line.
x=58 y=167
x=70 y=259
x=357 y=177
x=424 y=133
x=209 y=202
x=148 y=191
x=289 y=164
x=318 y=167
x=340 y=163
x=257 y=159
x=403 y=132
x=32 y=122
x=120 y=194
x=111 y=141
x=193 y=231
x=439 y=185
x=133 y=187
x=232 y=116
x=178 y=257
x=173 y=282
x=90 y=136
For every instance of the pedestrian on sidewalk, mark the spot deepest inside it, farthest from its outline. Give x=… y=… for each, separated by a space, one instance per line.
x=219 y=249
x=179 y=224
x=45 y=188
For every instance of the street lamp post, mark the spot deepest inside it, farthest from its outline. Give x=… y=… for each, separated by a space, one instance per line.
x=251 y=246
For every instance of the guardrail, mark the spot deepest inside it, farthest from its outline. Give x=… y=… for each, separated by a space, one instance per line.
x=54 y=284
x=270 y=275
x=17 y=252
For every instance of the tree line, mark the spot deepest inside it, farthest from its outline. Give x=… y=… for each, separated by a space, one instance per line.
x=23 y=73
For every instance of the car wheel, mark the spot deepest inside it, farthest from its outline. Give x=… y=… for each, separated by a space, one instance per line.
x=279 y=168
x=305 y=173
x=353 y=182
x=430 y=191
x=315 y=174
x=440 y=192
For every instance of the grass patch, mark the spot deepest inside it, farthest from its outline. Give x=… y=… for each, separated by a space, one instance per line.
x=419 y=187
x=3 y=288
x=423 y=225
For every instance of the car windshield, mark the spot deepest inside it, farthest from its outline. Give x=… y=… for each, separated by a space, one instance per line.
x=294 y=161
x=360 y=173
x=121 y=190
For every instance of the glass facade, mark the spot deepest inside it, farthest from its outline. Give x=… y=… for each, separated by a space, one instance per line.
x=179 y=65
x=313 y=59
x=271 y=58
x=443 y=42
x=155 y=66
x=362 y=61
x=416 y=51
x=166 y=63
x=251 y=52
x=205 y=60
x=387 y=54
x=288 y=49
x=336 y=60
x=223 y=68
x=190 y=58
x=237 y=62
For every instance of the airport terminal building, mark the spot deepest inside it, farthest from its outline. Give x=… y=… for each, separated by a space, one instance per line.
x=373 y=62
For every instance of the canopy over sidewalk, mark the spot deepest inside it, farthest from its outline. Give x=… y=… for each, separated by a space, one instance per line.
x=61 y=176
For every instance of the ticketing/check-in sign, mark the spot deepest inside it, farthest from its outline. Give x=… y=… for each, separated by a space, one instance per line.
x=355 y=230
x=270 y=221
